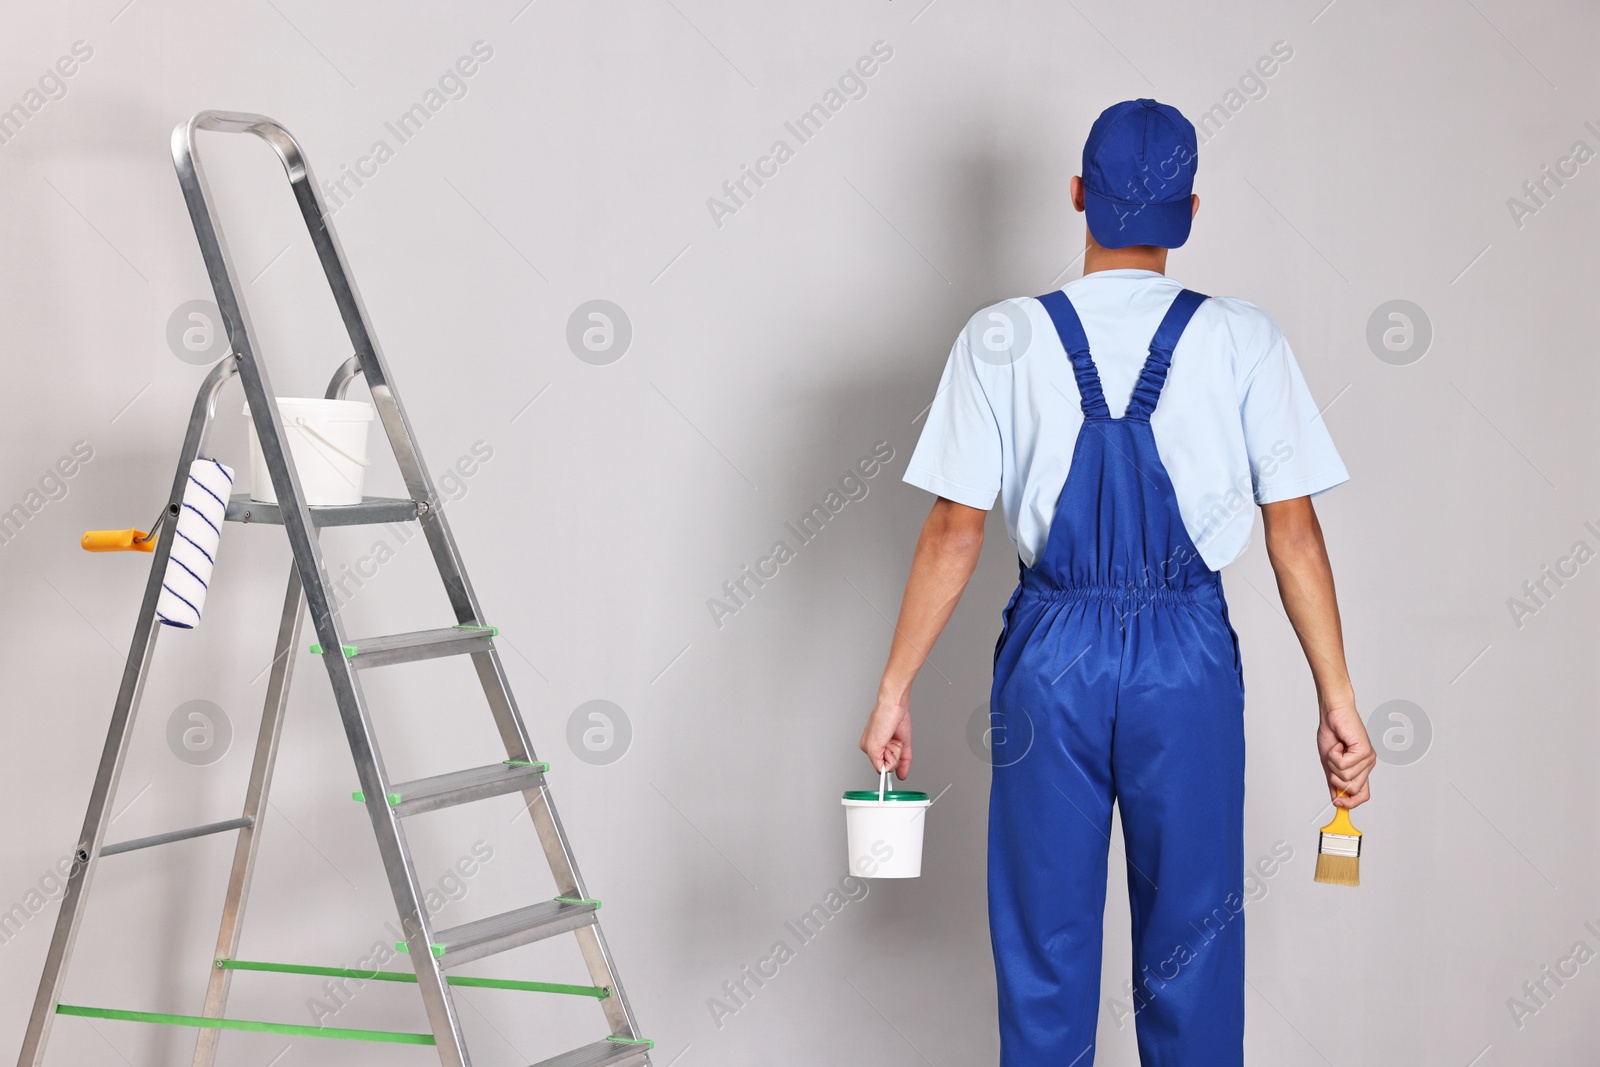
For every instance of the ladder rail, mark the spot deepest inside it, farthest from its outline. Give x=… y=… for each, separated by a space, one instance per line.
x=404 y=884
x=246 y=848
x=553 y=838
x=591 y=941
x=112 y=757
x=431 y=516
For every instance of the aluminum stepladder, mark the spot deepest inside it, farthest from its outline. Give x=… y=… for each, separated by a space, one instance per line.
x=432 y=951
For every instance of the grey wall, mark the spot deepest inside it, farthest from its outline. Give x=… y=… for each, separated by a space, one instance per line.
x=771 y=348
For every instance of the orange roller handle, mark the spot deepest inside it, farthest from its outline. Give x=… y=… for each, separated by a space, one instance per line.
x=118 y=541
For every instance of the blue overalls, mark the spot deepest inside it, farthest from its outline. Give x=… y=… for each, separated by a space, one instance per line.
x=1117 y=678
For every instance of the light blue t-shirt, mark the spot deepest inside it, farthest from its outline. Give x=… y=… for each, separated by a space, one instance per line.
x=1235 y=422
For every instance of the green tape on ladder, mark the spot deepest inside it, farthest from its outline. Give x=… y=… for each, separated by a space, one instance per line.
x=201 y=1022
x=358 y=795
x=544 y=768
x=597 y=992
x=645 y=1041
x=494 y=631
x=579 y=900
x=438 y=949
x=349 y=650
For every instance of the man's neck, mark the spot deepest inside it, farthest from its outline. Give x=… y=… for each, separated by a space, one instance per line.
x=1134 y=257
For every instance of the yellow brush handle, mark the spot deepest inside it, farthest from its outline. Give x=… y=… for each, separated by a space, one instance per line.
x=1341 y=823
x=118 y=541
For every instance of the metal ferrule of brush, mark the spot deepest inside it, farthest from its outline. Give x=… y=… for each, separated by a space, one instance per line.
x=1340 y=845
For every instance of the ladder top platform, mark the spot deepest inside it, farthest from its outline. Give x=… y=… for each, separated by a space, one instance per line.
x=372 y=511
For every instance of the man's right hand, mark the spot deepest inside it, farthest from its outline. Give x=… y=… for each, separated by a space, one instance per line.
x=947 y=552
x=887 y=738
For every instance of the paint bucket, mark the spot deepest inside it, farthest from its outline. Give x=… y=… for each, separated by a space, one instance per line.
x=328 y=440
x=883 y=828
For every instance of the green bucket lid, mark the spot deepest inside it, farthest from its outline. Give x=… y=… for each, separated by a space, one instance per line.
x=892 y=794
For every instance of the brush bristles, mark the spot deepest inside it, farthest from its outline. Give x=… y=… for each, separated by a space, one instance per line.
x=1338 y=870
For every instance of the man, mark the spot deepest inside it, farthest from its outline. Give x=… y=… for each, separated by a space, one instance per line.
x=1117 y=675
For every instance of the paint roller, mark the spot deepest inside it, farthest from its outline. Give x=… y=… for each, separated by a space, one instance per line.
x=196 y=530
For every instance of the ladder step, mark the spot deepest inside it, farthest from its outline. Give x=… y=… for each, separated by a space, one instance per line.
x=607 y=1053
x=499 y=933
x=463 y=787
x=372 y=511
x=423 y=644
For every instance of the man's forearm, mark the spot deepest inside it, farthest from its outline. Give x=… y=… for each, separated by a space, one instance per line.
x=1305 y=582
x=946 y=555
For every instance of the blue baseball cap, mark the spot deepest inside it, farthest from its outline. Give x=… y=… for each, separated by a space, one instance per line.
x=1138 y=175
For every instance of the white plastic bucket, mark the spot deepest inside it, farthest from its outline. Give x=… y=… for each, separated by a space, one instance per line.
x=328 y=440
x=883 y=828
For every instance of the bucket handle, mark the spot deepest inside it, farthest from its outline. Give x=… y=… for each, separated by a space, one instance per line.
x=304 y=425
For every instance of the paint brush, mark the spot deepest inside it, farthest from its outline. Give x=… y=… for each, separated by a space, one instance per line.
x=1339 y=851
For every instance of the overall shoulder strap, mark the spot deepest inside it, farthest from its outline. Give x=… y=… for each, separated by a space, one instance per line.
x=1070 y=328
x=1148 y=389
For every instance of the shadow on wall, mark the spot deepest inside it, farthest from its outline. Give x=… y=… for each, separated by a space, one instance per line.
x=829 y=608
